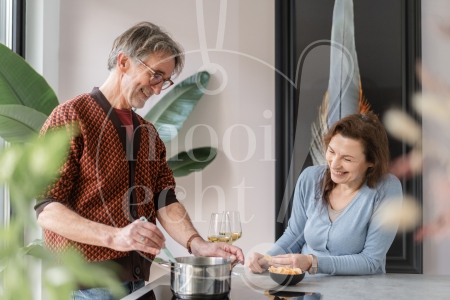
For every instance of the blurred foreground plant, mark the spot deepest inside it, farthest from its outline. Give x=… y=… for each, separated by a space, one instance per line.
x=429 y=152
x=27 y=169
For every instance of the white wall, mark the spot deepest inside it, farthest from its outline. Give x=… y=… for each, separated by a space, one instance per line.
x=87 y=30
x=436 y=59
x=42 y=46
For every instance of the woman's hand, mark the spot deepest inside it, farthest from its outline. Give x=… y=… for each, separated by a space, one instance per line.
x=301 y=261
x=256 y=263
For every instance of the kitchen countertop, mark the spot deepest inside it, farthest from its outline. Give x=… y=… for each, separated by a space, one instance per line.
x=381 y=286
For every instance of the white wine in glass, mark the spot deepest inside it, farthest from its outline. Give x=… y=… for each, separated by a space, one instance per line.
x=235 y=226
x=219 y=238
x=219 y=229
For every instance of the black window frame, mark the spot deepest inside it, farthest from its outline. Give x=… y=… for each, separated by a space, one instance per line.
x=18 y=27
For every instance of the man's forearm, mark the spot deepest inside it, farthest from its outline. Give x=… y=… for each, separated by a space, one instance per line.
x=176 y=222
x=58 y=218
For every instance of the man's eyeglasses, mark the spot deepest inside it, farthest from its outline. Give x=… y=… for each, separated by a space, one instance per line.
x=157 y=78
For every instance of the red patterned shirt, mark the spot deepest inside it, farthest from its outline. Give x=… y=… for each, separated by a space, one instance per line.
x=107 y=178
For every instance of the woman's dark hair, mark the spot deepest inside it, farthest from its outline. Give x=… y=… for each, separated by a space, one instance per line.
x=367 y=129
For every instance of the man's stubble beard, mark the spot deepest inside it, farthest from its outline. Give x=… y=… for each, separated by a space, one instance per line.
x=136 y=102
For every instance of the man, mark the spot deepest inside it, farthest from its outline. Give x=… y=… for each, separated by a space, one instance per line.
x=116 y=170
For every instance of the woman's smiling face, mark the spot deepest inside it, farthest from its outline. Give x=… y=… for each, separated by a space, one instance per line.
x=347 y=161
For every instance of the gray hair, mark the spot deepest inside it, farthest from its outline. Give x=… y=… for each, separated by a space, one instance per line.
x=144 y=39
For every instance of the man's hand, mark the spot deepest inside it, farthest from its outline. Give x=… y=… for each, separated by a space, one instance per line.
x=65 y=222
x=257 y=263
x=200 y=247
x=139 y=235
x=301 y=261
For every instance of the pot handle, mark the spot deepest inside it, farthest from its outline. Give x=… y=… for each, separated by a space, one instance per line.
x=235 y=263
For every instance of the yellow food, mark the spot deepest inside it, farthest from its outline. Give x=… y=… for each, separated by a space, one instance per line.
x=285 y=270
x=267 y=257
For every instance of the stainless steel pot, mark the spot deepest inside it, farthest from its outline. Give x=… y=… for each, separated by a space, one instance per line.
x=200 y=277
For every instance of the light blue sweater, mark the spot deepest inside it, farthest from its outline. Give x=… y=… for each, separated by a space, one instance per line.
x=356 y=243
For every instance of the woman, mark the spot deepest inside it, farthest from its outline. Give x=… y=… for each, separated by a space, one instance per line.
x=334 y=221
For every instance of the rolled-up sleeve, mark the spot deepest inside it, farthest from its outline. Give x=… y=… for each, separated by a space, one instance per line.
x=61 y=187
x=165 y=183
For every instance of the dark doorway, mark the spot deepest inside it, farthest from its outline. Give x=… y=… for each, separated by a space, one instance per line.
x=387 y=37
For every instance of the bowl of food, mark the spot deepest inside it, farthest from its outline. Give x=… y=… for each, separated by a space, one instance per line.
x=286 y=276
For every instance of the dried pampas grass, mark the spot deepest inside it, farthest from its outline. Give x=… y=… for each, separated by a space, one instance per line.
x=405 y=214
x=432 y=106
x=402 y=126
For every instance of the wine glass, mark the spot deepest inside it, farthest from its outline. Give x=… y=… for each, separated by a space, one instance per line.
x=219 y=228
x=235 y=225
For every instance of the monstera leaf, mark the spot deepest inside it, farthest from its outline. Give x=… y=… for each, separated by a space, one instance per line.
x=20 y=123
x=20 y=84
x=194 y=160
x=169 y=114
x=26 y=99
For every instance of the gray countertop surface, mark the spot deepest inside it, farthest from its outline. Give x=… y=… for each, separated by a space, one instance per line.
x=381 y=286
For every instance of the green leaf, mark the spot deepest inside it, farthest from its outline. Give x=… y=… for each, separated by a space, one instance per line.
x=28 y=169
x=21 y=84
x=31 y=246
x=3 y=264
x=194 y=160
x=20 y=123
x=169 y=114
x=37 y=249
